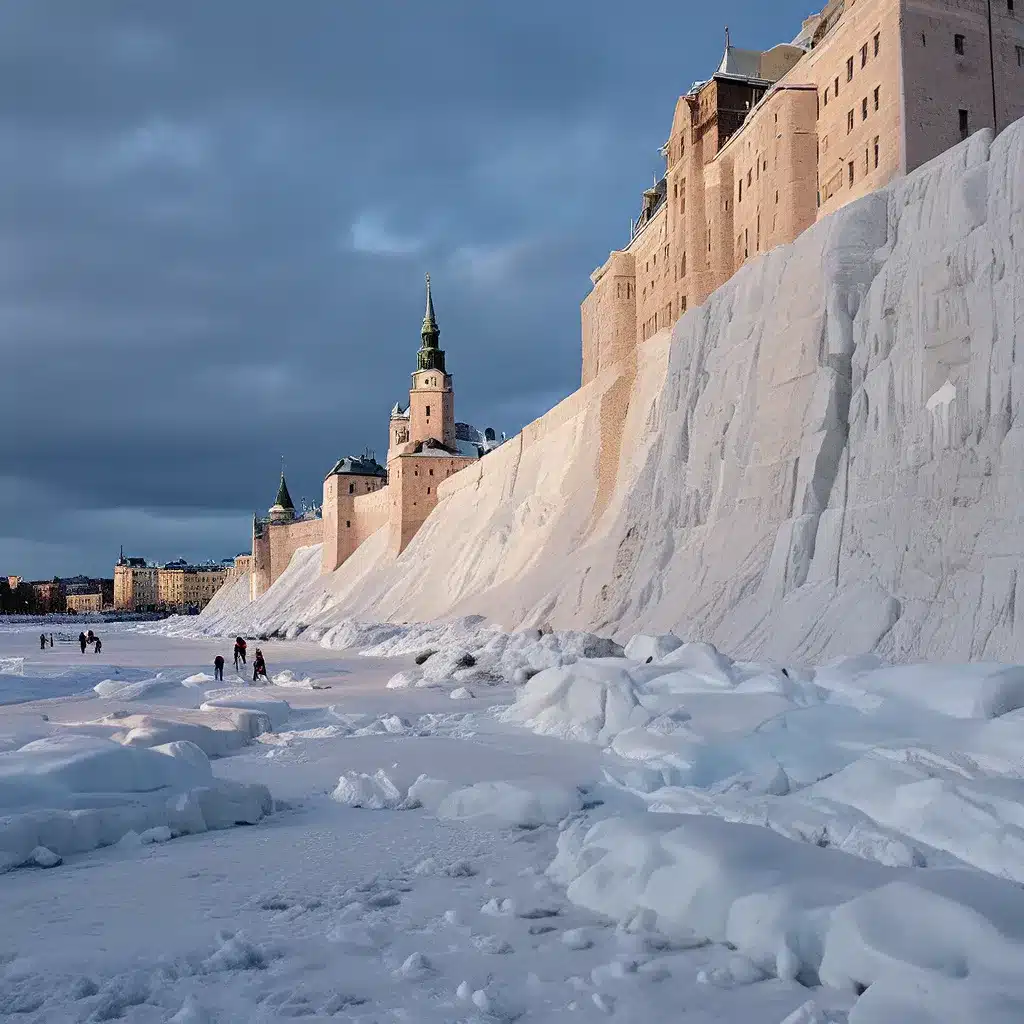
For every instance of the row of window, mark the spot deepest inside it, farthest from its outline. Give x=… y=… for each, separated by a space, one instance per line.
x=876 y=45
x=876 y=100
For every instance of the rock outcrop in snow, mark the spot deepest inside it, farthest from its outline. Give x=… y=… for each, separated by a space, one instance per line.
x=826 y=458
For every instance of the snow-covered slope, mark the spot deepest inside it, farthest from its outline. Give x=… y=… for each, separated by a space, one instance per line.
x=825 y=458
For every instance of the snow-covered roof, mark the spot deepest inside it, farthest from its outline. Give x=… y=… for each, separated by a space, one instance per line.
x=357 y=465
x=397 y=412
x=741 y=63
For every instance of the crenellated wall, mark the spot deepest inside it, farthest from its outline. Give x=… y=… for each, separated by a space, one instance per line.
x=273 y=546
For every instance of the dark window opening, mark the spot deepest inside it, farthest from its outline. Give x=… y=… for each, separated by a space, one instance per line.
x=348 y=523
x=849 y=168
x=864 y=109
x=428 y=410
x=924 y=39
x=958 y=44
x=964 y=124
x=876 y=152
x=849 y=122
x=351 y=488
x=877 y=89
x=864 y=55
x=849 y=69
x=878 y=40
x=835 y=91
x=826 y=97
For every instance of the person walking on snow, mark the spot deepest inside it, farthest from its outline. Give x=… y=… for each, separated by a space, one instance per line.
x=239 y=651
x=82 y=641
x=42 y=641
x=218 y=668
x=99 y=645
x=259 y=666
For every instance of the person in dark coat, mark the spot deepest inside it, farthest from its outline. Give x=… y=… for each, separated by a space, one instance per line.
x=239 y=651
x=218 y=668
x=259 y=666
x=82 y=641
x=99 y=645
x=42 y=641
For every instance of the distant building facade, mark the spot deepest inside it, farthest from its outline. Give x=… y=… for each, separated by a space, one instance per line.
x=425 y=447
x=80 y=604
x=776 y=140
x=177 y=586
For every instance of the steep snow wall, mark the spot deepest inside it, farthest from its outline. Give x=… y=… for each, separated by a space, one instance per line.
x=826 y=457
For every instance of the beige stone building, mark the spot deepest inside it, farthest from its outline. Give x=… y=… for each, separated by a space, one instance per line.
x=776 y=140
x=135 y=584
x=83 y=603
x=425 y=447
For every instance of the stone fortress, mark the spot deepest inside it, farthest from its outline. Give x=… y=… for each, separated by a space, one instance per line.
x=425 y=447
x=776 y=140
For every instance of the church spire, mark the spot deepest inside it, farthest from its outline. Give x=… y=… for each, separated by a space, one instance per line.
x=430 y=357
x=284 y=499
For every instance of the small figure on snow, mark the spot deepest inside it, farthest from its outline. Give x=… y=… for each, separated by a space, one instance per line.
x=99 y=645
x=42 y=641
x=259 y=666
x=218 y=668
x=82 y=641
x=51 y=639
x=239 y=651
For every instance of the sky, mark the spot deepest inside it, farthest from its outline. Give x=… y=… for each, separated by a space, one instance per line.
x=215 y=220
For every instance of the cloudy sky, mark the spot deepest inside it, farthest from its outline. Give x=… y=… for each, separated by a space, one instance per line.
x=216 y=215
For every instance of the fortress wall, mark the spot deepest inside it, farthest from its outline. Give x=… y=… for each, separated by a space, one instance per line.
x=608 y=315
x=652 y=258
x=344 y=526
x=413 y=482
x=826 y=65
x=775 y=158
x=286 y=538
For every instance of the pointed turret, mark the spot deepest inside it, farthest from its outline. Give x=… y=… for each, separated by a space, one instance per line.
x=430 y=357
x=284 y=499
x=283 y=509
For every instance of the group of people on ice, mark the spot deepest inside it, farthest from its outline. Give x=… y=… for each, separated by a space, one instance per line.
x=90 y=639
x=259 y=665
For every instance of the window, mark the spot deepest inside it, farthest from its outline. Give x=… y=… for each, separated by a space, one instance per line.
x=849 y=169
x=682 y=304
x=864 y=109
x=428 y=490
x=348 y=523
x=849 y=69
x=876 y=152
x=877 y=90
x=431 y=472
x=826 y=96
x=864 y=55
x=958 y=44
x=835 y=91
x=776 y=197
x=750 y=179
x=924 y=39
x=849 y=122
x=746 y=242
x=965 y=128
x=1009 y=6
x=867 y=164
x=878 y=41
x=1020 y=56
x=351 y=488
x=683 y=272
x=428 y=410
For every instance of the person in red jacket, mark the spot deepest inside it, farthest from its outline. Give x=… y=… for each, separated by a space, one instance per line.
x=239 y=651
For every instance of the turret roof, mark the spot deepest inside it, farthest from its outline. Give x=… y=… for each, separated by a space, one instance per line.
x=284 y=499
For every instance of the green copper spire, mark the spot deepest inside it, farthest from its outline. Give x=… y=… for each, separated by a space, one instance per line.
x=430 y=357
x=284 y=499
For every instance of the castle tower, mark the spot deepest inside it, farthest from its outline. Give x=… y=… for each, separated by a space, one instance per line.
x=431 y=398
x=283 y=509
